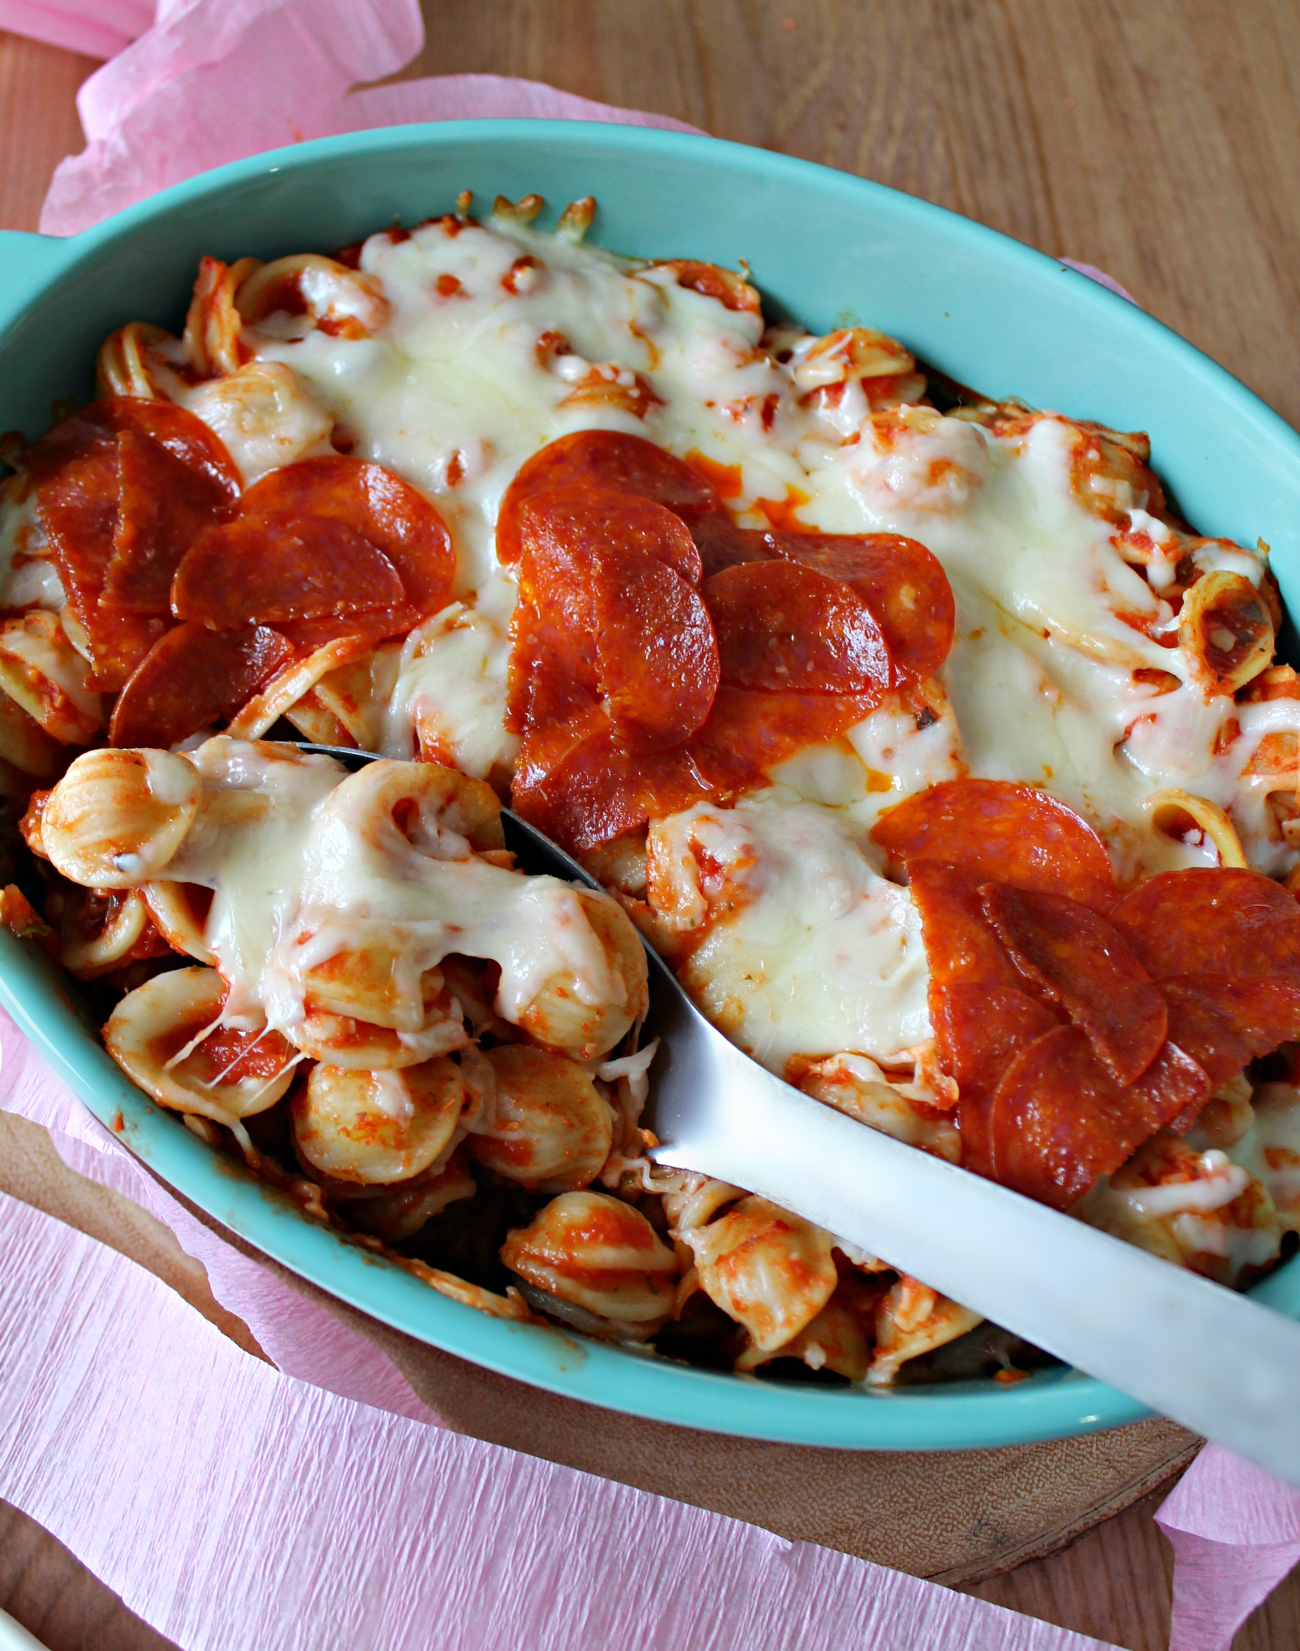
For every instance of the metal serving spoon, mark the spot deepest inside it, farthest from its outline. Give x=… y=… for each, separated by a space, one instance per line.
x=1207 y=1357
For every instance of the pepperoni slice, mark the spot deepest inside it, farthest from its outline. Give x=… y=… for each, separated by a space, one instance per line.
x=193 y=679
x=78 y=510
x=781 y=626
x=1005 y=833
x=978 y=1030
x=723 y=545
x=182 y=433
x=78 y=474
x=960 y=945
x=1212 y=920
x=656 y=654
x=163 y=506
x=902 y=583
x=749 y=733
x=604 y=459
x=1075 y=958
x=598 y=791
x=324 y=536
x=1223 y=1023
x=257 y=569
x=608 y=611
x=1059 y=1120
x=565 y=529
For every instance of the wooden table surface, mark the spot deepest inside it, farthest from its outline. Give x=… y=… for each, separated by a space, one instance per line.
x=1159 y=141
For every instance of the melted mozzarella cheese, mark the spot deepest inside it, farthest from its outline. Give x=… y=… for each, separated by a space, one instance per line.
x=28 y=579
x=264 y=414
x=806 y=948
x=496 y=340
x=451 y=693
x=307 y=863
x=492 y=337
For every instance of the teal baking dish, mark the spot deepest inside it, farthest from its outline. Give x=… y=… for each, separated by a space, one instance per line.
x=830 y=249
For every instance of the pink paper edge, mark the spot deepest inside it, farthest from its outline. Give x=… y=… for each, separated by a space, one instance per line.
x=302 y=1337
x=233 y=1508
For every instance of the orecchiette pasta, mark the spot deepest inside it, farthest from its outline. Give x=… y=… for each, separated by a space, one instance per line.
x=550 y=1127
x=912 y=1319
x=42 y=673
x=376 y=1127
x=767 y=1269
x=167 y=1036
x=597 y=1253
x=399 y=1211
x=117 y=818
x=559 y=1015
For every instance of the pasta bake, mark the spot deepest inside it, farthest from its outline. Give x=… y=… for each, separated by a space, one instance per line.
x=952 y=771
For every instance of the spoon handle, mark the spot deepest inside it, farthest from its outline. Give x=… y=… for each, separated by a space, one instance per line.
x=1209 y=1358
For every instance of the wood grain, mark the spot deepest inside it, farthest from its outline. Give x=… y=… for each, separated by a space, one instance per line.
x=38 y=122
x=1160 y=142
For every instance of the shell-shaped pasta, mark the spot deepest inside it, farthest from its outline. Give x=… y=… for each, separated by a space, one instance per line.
x=25 y=744
x=1177 y=812
x=229 y=1075
x=1272 y=1149
x=1225 y=632
x=42 y=672
x=316 y=723
x=264 y=414
x=361 y=1046
x=1196 y=1209
x=213 y=325
x=443 y=813
x=99 y=931
x=606 y=385
x=766 y=1268
x=370 y=984
x=712 y=281
x=551 y=1128
x=824 y=369
x=912 y=1319
x=855 y=1085
x=599 y=1254
x=399 y=1212
x=357 y=695
x=341 y=301
x=834 y=1340
x=559 y=1018
x=179 y=911
x=508 y=1306
x=375 y=1128
x=127 y=363
x=285 y=690
x=117 y=817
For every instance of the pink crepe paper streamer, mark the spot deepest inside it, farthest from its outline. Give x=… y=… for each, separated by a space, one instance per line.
x=1235 y=1532
x=97 y=28
x=1100 y=276
x=216 y=80
x=303 y=1338
x=233 y=1508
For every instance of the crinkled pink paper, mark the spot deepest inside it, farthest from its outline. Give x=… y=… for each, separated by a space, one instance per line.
x=234 y=1508
x=212 y=81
